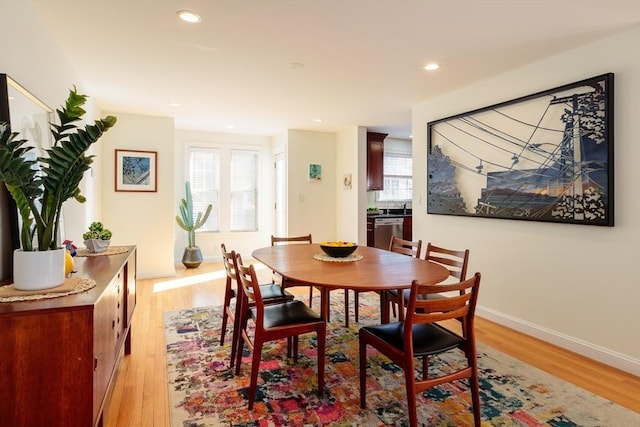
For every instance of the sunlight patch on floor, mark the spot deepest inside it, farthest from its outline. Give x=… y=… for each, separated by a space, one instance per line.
x=194 y=279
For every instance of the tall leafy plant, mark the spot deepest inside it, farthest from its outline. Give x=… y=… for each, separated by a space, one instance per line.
x=41 y=186
x=187 y=220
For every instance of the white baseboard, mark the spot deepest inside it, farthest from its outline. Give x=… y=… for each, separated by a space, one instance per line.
x=586 y=349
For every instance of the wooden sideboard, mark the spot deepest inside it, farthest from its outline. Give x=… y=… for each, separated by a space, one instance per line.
x=58 y=356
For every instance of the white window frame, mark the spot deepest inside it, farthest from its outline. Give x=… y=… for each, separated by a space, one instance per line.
x=387 y=195
x=223 y=206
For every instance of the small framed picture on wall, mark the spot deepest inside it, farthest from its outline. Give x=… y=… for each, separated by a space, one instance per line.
x=315 y=172
x=136 y=170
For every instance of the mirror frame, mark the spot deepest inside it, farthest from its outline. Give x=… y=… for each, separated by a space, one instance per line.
x=30 y=117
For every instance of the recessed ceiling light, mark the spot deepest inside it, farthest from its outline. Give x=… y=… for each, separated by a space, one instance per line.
x=317 y=120
x=189 y=16
x=431 y=67
x=174 y=104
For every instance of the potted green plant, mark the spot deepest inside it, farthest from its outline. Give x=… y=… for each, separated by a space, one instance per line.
x=40 y=187
x=190 y=222
x=98 y=238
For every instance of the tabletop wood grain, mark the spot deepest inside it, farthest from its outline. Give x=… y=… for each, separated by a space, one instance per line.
x=377 y=270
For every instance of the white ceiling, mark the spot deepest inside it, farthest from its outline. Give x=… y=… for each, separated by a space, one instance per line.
x=362 y=59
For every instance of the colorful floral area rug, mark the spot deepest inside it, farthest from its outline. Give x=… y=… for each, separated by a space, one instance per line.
x=203 y=391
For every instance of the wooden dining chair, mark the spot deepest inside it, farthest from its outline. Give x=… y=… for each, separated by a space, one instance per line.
x=401 y=246
x=273 y=322
x=285 y=241
x=456 y=261
x=419 y=336
x=271 y=293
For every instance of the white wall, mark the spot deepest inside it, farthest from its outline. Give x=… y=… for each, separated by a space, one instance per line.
x=348 y=209
x=144 y=219
x=311 y=205
x=31 y=58
x=570 y=284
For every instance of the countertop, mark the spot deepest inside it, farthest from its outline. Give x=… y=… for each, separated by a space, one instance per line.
x=391 y=214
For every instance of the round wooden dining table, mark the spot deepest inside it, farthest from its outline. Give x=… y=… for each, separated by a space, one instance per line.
x=374 y=270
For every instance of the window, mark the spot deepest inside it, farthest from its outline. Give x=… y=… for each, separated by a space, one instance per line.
x=244 y=191
x=398 y=177
x=228 y=179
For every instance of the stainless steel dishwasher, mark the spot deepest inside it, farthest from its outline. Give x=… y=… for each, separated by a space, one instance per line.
x=384 y=228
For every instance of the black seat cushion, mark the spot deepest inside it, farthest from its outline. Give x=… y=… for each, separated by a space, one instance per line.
x=288 y=313
x=407 y=293
x=273 y=290
x=427 y=339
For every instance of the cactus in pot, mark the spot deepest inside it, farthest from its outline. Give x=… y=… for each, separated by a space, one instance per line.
x=190 y=222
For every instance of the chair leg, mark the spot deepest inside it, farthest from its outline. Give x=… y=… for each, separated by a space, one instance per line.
x=225 y=315
x=411 y=395
x=363 y=372
x=236 y=331
x=255 y=367
x=242 y=325
x=239 y=351
x=346 y=306
x=310 y=296
x=322 y=338
x=356 y=303
x=223 y=330
x=475 y=387
x=425 y=368
x=295 y=349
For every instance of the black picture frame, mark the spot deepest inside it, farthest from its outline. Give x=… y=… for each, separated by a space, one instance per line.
x=542 y=157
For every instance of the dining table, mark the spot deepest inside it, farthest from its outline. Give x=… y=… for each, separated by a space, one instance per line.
x=367 y=269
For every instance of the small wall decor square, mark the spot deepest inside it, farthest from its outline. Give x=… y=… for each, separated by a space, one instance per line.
x=136 y=170
x=315 y=172
x=542 y=157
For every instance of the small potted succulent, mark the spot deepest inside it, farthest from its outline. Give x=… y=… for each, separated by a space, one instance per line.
x=98 y=238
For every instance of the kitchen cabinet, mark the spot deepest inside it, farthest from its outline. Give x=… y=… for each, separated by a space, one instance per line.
x=375 y=160
x=59 y=356
x=407 y=228
x=370 y=235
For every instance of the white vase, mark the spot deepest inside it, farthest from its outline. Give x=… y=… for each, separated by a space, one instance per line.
x=97 y=245
x=35 y=270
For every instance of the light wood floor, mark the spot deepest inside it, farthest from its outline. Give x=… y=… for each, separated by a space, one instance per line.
x=139 y=396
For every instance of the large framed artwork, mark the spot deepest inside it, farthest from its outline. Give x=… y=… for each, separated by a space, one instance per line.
x=136 y=170
x=543 y=157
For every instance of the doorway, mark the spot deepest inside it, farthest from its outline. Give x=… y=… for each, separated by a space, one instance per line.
x=279 y=195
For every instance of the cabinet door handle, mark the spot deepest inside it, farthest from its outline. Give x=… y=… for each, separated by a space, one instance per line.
x=95 y=363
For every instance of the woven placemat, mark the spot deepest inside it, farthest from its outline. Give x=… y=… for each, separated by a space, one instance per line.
x=109 y=251
x=73 y=285
x=349 y=258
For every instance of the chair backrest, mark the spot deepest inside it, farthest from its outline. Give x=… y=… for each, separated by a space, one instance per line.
x=286 y=240
x=249 y=283
x=454 y=261
x=229 y=266
x=405 y=247
x=430 y=310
